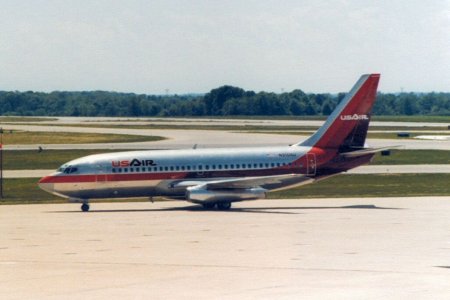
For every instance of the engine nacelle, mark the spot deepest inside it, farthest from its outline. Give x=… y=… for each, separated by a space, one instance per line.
x=200 y=195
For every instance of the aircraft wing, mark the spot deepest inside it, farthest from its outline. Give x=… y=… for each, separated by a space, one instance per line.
x=269 y=182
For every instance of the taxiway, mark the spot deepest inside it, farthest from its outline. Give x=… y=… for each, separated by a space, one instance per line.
x=370 y=248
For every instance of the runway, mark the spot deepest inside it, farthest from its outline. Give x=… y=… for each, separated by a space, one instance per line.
x=370 y=248
x=212 y=121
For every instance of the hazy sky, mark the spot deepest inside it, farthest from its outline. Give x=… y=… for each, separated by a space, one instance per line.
x=194 y=46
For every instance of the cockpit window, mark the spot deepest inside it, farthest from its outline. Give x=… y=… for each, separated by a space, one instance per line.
x=68 y=169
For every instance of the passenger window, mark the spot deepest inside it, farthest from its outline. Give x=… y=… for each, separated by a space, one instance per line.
x=166 y=168
x=120 y=170
x=220 y=166
x=171 y=168
x=231 y=166
x=113 y=170
x=125 y=170
x=188 y=168
x=207 y=167
x=182 y=168
x=225 y=167
x=177 y=168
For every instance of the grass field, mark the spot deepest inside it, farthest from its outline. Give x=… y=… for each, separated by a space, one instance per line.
x=22 y=191
x=370 y=135
x=47 y=159
x=413 y=157
x=379 y=185
x=28 y=137
x=26 y=119
x=51 y=159
x=419 y=118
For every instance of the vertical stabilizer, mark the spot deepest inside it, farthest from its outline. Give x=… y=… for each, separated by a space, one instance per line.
x=346 y=127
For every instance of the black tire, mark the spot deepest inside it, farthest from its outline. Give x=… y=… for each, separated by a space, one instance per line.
x=224 y=205
x=85 y=207
x=209 y=205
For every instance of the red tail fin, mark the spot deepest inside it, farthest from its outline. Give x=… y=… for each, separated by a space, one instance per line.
x=347 y=125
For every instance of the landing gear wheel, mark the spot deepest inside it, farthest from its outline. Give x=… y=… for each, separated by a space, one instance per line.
x=224 y=205
x=85 y=207
x=210 y=205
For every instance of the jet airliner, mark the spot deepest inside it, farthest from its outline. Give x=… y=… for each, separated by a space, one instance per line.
x=217 y=177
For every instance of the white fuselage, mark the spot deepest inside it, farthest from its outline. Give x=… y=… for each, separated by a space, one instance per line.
x=153 y=173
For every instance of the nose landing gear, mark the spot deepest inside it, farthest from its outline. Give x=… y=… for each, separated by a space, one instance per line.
x=84 y=205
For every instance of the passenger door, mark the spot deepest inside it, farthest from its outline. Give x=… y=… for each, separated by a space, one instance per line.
x=310 y=164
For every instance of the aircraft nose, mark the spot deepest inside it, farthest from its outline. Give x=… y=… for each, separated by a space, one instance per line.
x=46 y=184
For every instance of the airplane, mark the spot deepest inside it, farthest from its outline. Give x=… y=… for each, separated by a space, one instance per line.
x=217 y=177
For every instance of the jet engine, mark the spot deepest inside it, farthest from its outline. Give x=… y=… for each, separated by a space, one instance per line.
x=198 y=194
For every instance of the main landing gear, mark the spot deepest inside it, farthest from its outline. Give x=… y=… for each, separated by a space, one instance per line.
x=220 y=205
x=85 y=206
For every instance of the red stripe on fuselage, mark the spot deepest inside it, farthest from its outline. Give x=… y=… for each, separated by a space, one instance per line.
x=170 y=175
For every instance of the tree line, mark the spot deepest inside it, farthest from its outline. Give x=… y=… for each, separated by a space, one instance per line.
x=222 y=101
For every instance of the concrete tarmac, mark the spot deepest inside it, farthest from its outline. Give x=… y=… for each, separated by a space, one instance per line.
x=369 y=248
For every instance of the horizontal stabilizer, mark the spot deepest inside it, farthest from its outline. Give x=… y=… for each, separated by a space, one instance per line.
x=366 y=151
